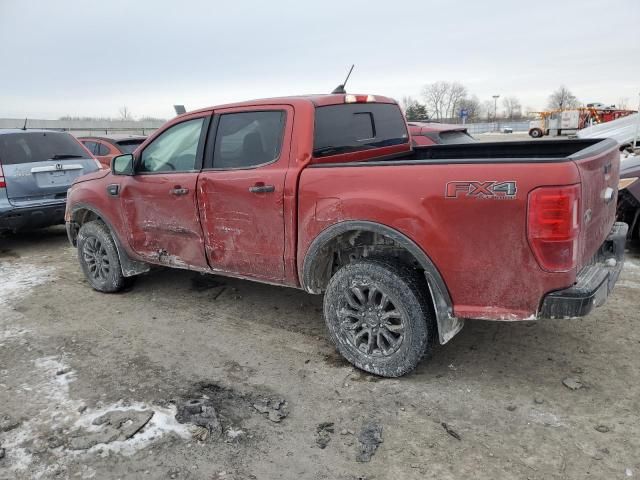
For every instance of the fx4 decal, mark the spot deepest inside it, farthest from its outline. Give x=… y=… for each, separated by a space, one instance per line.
x=487 y=189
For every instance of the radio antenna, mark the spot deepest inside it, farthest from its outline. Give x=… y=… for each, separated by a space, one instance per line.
x=340 y=88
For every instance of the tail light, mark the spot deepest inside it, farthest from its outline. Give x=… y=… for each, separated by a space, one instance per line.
x=3 y=183
x=359 y=98
x=553 y=226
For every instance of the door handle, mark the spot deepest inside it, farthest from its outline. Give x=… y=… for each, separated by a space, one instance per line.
x=113 y=189
x=178 y=190
x=262 y=188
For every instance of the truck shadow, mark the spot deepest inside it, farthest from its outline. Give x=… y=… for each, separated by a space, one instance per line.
x=15 y=245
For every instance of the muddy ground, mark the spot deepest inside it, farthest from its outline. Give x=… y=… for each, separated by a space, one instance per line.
x=90 y=385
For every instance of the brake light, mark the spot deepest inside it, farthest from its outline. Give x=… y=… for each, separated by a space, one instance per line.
x=359 y=98
x=3 y=184
x=553 y=226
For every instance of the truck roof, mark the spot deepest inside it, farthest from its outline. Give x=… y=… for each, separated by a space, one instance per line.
x=318 y=100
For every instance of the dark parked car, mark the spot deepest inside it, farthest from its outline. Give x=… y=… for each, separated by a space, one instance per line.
x=629 y=195
x=429 y=133
x=36 y=169
x=105 y=147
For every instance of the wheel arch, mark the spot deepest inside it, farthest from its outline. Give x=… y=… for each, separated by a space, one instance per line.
x=82 y=214
x=319 y=263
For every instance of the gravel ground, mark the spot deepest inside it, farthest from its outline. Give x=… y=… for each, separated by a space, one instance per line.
x=90 y=385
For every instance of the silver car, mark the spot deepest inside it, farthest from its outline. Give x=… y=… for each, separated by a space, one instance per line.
x=36 y=169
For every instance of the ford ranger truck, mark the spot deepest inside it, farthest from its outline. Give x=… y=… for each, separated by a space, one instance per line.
x=326 y=193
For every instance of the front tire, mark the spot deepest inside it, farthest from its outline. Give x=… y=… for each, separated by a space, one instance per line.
x=379 y=316
x=98 y=257
x=535 y=133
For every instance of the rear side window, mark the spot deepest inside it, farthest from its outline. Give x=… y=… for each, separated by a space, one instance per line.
x=248 y=139
x=102 y=150
x=357 y=126
x=91 y=146
x=30 y=147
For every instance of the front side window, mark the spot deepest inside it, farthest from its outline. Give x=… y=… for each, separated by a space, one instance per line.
x=248 y=139
x=174 y=150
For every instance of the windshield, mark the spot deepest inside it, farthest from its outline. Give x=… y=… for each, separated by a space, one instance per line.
x=128 y=146
x=455 y=136
x=357 y=126
x=29 y=147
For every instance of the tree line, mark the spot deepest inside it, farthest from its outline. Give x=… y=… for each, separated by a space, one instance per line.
x=446 y=100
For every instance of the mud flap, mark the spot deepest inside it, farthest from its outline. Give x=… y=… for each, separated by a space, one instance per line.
x=448 y=325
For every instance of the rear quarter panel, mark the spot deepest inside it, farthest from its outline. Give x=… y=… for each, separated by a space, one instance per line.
x=479 y=245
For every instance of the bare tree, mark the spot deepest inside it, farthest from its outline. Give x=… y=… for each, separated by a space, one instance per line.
x=512 y=108
x=623 y=103
x=487 y=110
x=472 y=106
x=442 y=99
x=125 y=113
x=562 y=98
x=406 y=102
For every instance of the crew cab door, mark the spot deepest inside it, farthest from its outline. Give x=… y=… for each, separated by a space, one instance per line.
x=159 y=202
x=241 y=190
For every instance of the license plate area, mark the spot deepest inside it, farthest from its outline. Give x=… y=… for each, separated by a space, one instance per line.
x=56 y=179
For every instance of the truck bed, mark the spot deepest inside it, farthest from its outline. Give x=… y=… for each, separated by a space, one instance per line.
x=475 y=240
x=495 y=152
x=553 y=150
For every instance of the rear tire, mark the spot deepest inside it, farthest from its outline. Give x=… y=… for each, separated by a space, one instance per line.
x=535 y=133
x=379 y=316
x=98 y=258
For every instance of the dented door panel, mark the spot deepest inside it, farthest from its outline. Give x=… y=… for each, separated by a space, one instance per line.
x=242 y=209
x=164 y=227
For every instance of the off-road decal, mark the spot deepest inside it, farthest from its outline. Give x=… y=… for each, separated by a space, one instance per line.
x=482 y=189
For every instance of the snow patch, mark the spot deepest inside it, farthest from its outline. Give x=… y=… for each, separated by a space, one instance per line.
x=18 y=280
x=50 y=380
x=162 y=422
x=631 y=265
x=9 y=333
x=546 y=418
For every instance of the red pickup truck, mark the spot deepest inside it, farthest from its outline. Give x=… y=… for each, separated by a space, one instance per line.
x=326 y=193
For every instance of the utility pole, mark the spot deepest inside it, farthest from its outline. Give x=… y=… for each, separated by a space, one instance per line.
x=635 y=136
x=495 y=109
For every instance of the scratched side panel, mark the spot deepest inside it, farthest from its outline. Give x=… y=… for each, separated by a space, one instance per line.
x=478 y=244
x=164 y=228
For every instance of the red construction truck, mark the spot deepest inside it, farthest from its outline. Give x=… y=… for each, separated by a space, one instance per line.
x=326 y=193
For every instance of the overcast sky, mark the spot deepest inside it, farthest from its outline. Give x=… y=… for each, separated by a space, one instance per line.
x=91 y=57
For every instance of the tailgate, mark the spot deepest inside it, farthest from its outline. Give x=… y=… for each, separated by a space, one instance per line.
x=40 y=165
x=31 y=183
x=599 y=167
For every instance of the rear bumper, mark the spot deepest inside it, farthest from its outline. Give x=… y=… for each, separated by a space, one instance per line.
x=594 y=282
x=27 y=218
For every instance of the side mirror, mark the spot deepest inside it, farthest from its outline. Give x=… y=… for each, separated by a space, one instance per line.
x=122 y=164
